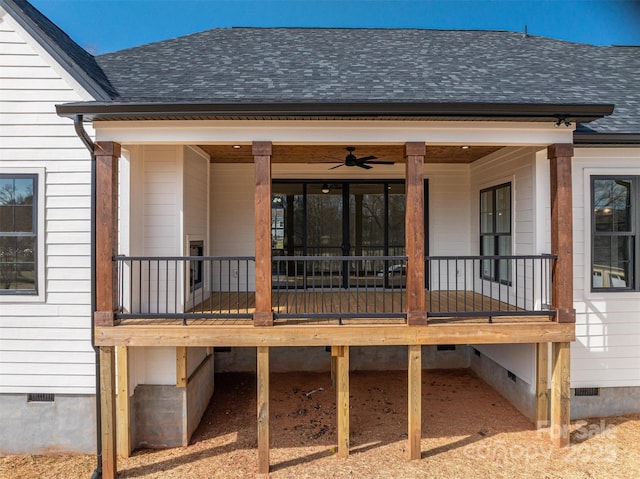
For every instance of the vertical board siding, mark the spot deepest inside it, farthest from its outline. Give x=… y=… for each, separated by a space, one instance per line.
x=515 y=165
x=606 y=352
x=46 y=346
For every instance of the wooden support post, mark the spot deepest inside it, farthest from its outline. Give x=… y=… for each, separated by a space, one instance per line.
x=182 y=375
x=414 y=232
x=560 y=393
x=122 y=402
x=542 y=385
x=106 y=164
x=108 y=411
x=263 y=315
x=342 y=399
x=562 y=231
x=263 y=409
x=414 y=430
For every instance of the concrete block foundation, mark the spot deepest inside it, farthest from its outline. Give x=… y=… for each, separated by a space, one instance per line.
x=167 y=416
x=315 y=359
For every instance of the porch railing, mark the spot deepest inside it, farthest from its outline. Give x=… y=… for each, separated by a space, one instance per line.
x=468 y=286
x=185 y=287
x=339 y=287
x=332 y=287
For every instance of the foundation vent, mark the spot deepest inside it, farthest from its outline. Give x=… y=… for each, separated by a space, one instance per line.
x=511 y=376
x=40 y=397
x=586 y=392
x=446 y=347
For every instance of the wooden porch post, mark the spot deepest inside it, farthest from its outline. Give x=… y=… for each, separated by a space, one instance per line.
x=106 y=242
x=560 y=393
x=414 y=232
x=108 y=411
x=341 y=353
x=415 y=401
x=562 y=231
x=263 y=315
x=542 y=385
x=122 y=402
x=263 y=409
x=562 y=286
x=106 y=155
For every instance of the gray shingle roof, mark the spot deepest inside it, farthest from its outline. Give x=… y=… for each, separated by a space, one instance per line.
x=78 y=62
x=388 y=65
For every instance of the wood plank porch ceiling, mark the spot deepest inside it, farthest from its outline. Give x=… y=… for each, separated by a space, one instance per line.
x=337 y=153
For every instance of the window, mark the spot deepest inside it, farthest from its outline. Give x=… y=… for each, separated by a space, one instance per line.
x=495 y=232
x=18 y=234
x=613 y=232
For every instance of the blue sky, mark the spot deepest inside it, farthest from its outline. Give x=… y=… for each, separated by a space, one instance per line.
x=103 y=26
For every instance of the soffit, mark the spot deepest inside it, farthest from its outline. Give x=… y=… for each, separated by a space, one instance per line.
x=336 y=153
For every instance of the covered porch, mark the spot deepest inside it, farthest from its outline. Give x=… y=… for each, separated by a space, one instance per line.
x=410 y=299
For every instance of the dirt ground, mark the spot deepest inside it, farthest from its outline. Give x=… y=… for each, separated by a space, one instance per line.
x=469 y=431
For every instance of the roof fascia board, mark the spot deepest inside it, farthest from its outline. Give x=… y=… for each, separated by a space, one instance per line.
x=119 y=110
x=610 y=139
x=57 y=55
x=310 y=132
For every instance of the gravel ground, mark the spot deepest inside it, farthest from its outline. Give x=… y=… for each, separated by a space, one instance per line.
x=469 y=431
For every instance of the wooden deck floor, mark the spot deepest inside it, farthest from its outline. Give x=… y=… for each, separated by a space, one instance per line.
x=350 y=307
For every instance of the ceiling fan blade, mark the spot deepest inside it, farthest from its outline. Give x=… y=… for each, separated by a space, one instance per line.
x=366 y=158
x=364 y=165
x=381 y=162
x=337 y=166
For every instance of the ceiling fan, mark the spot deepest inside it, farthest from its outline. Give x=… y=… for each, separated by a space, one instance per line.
x=364 y=162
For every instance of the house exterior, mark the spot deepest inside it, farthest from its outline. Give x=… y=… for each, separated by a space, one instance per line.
x=379 y=194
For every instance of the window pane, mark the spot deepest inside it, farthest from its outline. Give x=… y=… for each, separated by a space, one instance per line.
x=25 y=276
x=8 y=249
x=6 y=191
x=504 y=249
x=486 y=211
x=612 y=205
x=6 y=219
x=25 y=248
x=23 y=219
x=8 y=276
x=23 y=191
x=612 y=263
x=503 y=210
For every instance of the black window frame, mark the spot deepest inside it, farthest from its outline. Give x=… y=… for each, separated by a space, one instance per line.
x=21 y=234
x=495 y=268
x=634 y=242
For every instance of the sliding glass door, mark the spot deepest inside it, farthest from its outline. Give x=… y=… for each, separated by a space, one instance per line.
x=362 y=219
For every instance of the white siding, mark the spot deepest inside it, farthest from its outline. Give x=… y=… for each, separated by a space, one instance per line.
x=606 y=352
x=45 y=345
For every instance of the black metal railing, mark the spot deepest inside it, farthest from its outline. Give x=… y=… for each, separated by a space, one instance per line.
x=339 y=287
x=185 y=287
x=468 y=286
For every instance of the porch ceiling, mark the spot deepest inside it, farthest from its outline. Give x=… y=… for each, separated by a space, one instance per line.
x=336 y=153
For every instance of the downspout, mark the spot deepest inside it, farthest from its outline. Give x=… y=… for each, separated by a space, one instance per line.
x=84 y=137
